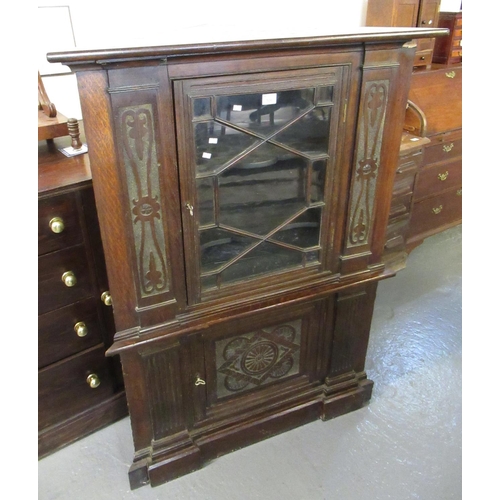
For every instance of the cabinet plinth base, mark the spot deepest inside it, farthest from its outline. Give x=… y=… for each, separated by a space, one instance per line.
x=167 y=465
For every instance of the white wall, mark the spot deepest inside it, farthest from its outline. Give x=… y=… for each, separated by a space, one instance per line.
x=105 y=24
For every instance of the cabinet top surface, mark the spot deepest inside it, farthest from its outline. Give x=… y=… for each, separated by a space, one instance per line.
x=204 y=43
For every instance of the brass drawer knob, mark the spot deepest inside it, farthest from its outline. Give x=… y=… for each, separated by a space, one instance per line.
x=93 y=381
x=106 y=298
x=81 y=329
x=56 y=225
x=69 y=278
x=437 y=210
x=443 y=177
x=199 y=381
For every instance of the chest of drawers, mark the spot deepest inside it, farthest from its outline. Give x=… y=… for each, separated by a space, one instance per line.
x=437 y=199
x=448 y=50
x=79 y=389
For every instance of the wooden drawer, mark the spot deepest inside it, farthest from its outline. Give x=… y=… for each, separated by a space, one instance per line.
x=431 y=214
x=52 y=292
x=443 y=151
x=63 y=390
x=436 y=178
x=62 y=207
x=423 y=58
x=58 y=337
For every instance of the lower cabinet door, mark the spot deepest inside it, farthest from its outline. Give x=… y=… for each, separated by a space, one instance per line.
x=249 y=365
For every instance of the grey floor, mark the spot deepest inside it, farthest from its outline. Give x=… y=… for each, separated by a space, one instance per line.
x=406 y=444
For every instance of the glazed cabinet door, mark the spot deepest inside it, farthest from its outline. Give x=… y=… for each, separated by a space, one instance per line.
x=257 y=158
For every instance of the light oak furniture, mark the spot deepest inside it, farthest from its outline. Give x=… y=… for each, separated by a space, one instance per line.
x=423 y=13
x=437 y=198
x=243 y=192
x=79 y=389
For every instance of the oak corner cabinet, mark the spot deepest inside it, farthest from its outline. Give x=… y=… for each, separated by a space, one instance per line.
x=243 y=192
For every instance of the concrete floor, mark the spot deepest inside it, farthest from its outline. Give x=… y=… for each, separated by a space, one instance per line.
x=406 y=444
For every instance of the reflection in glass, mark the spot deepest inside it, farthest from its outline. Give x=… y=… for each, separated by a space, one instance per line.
x=264 y=113
x=303 y=231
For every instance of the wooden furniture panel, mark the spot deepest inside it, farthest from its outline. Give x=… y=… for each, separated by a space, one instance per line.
x=58 y=224
x=70 y=265
x=440 y=211
x=244 y=190
x=398 y=226
x=448 y=50
x=437 y=177
x=437 y=93
x=73 y=385
x=418 y=13
x=74 y=325
x=68 y=330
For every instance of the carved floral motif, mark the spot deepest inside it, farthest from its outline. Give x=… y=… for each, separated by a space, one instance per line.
x=367 y=161
x=254 y=359
x=141 y=164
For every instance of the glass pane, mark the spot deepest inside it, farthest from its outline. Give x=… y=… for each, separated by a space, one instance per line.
x=310 y=134
x=325 y=95
x=264 y=259
x=205 y=188
x=318 y=181
x=263 y=190
x=302 y=232
x=201 y=108
x=217 y=145
x=218 y=247
x=264 y=113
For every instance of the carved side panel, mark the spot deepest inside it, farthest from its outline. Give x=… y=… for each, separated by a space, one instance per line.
x=139 y=151
x=367 y=162
x=137 y=138
x=164 y=388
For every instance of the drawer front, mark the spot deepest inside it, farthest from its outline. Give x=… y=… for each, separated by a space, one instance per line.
x=63 y=390
x=52 y=291
x=423 y=58
x=67 y=331
x=58 y=223
x=443 y=151
x=436 y=178
x=431 y=214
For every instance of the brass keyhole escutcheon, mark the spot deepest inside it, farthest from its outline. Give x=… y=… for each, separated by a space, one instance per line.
x=69 y=278
x=443 y=177
x=437 y=210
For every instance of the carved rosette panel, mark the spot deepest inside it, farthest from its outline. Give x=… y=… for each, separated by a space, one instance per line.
x=141 y=167
x=258 y=358
x=373 y=112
